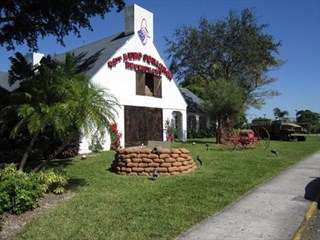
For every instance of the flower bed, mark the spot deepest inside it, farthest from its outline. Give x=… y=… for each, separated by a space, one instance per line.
x=142 y=161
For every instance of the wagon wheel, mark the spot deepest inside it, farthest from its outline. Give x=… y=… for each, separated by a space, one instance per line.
x=228 y=139
x=247 y=139
x=263 y=138
x=249 y=143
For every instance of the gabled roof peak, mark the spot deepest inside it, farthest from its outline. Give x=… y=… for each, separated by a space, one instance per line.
x=94 y=55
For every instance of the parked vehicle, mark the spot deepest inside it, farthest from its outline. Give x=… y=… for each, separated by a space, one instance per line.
x=281 y=129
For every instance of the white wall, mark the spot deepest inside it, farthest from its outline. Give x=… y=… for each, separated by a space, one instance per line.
x=121 y=82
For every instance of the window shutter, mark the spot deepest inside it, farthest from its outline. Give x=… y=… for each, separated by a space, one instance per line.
x=140 y=83
x=157 y=86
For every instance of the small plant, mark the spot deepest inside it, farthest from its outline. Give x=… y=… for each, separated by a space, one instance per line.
x=1 y=212
x=115 y=136
x=169 y=130
x=53 y=180
x=96 y=142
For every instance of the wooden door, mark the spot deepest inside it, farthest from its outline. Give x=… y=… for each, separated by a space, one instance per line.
x=142 y=124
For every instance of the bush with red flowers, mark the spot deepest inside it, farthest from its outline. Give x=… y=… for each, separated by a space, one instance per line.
x=115 y=136
x=169 y=130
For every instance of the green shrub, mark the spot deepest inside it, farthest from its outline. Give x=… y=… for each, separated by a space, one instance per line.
x=96 y=142
x=315 y=129
x=53 y=180
x=205 y=133
x=1 y=219
x=19 y=191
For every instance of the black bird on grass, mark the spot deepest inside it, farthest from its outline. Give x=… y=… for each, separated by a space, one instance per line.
x=207 y=145
x=275 y=152
x=154 y=175
x=199 y=160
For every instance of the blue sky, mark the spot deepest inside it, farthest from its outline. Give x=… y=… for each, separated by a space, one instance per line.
x=293 y=22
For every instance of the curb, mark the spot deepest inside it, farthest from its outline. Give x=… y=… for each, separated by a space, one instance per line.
x=306 y=221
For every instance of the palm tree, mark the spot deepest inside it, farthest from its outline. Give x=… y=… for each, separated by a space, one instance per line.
x=280 y=114
x=57 y=96
x=85 y=106
x=27 y=104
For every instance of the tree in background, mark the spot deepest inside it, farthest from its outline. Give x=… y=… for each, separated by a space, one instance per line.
x=228 y=101
x=308 y=116
x=308 y=119
x=54 y=96
x=278 y=113
x=234 y=49
x=24 y=21
x=195 y=84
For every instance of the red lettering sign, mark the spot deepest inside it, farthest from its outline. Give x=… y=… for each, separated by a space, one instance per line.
x=138 y=56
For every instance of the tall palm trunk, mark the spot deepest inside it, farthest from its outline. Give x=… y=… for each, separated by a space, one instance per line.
x=27 y=152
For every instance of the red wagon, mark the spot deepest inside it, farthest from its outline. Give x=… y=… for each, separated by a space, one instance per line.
x=232 y=138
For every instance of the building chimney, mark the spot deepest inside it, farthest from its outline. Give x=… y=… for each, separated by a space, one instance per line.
x=129 y=20
x=139 y=21
x=34 y=58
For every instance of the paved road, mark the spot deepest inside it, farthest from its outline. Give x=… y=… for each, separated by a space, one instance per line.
x=274 y=210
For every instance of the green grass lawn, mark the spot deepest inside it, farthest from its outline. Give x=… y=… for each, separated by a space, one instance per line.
x=110 y=206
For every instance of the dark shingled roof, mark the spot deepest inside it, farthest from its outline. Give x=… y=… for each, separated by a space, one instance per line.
x=94 y=55
x=192 y=100
x=4 y=76
x=3 y=79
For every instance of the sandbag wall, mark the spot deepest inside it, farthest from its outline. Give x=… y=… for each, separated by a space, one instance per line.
x=142 y=161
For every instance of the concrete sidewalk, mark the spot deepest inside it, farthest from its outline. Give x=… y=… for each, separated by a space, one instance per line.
x=274 y=210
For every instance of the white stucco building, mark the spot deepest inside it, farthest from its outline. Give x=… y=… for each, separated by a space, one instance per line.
x=130 y=67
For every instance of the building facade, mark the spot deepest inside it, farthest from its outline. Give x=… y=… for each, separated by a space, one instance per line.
x=129 y=66
x=198 y=121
